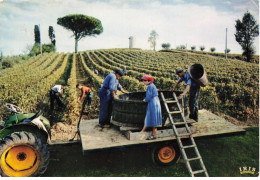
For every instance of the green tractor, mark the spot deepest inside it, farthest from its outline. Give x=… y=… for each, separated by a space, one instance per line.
x=23 y=143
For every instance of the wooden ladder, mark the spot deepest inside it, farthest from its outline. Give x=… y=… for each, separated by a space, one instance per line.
x=181 y=136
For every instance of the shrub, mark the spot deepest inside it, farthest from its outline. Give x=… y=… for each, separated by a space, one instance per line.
x=35 y=50
x=48 y=48
x=202 y=48
x=181 y=47
x=212 y=49
x=7 y=64
x=193 y=48
x=166 y=45
x=228 y=50
x=45 y=48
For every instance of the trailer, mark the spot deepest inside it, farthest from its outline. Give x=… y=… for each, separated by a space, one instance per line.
x=166 y=150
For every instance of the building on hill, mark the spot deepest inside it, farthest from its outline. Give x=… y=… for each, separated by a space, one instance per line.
x=131 y=42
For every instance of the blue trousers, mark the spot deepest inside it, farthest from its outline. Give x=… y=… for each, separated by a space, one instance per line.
x=193 y=103
x=105 y=109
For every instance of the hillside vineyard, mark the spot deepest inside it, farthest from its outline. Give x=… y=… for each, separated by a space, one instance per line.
x=232 y=89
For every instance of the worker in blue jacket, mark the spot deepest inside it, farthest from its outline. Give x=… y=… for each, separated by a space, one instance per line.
x=106 y=94
x=193 y=87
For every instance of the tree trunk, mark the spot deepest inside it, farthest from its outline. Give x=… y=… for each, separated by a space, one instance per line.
x=154 y=44
x=76 y=45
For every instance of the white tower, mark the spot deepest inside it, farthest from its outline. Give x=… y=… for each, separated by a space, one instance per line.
x=131 y=42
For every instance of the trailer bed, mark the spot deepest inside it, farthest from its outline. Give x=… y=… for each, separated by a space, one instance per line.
x=93 y=137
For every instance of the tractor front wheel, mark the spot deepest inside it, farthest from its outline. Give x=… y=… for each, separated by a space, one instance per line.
x=22 y=154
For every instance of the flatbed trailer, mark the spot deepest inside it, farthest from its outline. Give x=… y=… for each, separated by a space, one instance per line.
x=93 y=137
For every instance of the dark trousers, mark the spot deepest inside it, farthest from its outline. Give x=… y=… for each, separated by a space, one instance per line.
x=55 y=96
x=87 y=100
x=193 y=103
x=105 y=109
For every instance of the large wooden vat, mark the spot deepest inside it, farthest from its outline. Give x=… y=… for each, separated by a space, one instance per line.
x=130 y=109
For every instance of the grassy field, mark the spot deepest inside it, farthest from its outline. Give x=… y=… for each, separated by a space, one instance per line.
x=223 y=156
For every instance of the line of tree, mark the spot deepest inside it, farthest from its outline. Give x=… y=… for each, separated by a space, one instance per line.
x=247 y=30
x=37 y=48
x=82 y=26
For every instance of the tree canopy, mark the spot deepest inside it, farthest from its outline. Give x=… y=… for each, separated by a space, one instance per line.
x=166 y=45
x=81 y=26
x=246 y=31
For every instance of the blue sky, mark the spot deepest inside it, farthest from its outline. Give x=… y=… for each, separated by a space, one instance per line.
x=178 y=22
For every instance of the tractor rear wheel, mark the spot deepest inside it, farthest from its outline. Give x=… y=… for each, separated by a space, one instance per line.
x=165 y=154
x=22 y=154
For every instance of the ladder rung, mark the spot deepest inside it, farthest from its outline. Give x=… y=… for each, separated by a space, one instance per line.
x=186 y=134
x=170 y=101
x=175 y=112
x=190 y=146
x=180 y=123
x=197 y=172
x=193 y=159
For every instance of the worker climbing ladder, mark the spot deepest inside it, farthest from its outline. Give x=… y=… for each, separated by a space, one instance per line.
x=191 y=162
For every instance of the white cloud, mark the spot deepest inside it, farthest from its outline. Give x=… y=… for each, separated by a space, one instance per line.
x=177 y=23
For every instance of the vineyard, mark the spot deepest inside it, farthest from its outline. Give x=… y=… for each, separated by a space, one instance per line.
x=232 y=90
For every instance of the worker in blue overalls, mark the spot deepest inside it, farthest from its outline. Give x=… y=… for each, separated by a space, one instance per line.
x=106 y=94
x=193 y=87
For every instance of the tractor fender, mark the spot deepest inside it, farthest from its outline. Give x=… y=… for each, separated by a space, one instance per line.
x=30 y=127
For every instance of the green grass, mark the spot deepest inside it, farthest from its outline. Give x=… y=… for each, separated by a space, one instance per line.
x=222 y=156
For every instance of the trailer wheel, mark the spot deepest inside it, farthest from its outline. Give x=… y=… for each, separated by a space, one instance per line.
x=165 y=154
x=22 y=154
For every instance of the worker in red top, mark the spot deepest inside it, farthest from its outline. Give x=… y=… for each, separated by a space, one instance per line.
x=89 y=95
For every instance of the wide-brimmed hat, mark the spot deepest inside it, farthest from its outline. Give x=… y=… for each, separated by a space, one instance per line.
x=178 y=70
x=119 y=72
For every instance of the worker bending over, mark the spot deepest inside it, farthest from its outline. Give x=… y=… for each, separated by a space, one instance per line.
x=56 y=93
x=85 y=91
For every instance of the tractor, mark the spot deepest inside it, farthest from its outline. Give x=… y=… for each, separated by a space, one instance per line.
x=23 y=143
